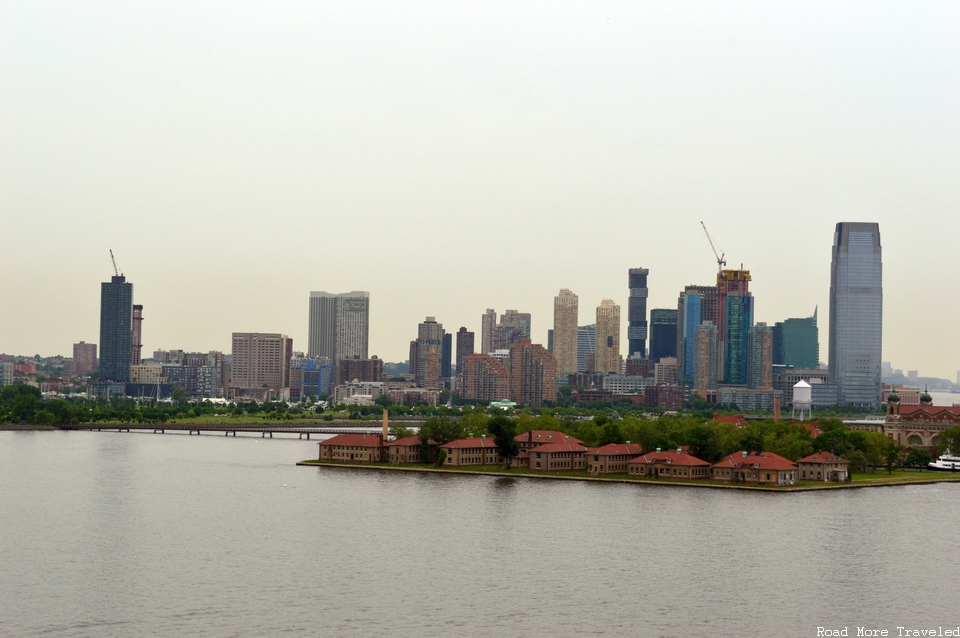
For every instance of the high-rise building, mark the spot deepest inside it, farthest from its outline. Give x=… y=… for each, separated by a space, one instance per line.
x=426 y=353
x=517 y=320
x=446 y=356
x=695 y=305
x=760 y=362
x=260 y=361
x=607 y=357
x=357 y=369
x=734 y=320
x=136 y=339
x=487 y=324
x=116 y=329
x=856 y=313
x=464 y=345
x=796 y=342
x=706 y=365
x=483 y=378
x=84 y=358
x=663 y=334
x=533 y=374
x=565 y=317
x=586 y=345
x=637 y=313
x=339 y=325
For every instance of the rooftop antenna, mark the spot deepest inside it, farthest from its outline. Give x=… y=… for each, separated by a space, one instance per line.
x=721 y=262
x=120 y=274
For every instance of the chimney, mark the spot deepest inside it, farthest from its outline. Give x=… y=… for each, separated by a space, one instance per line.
x=776 y=408
x=386 y=424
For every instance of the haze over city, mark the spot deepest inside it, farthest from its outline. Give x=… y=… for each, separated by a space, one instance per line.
x=450 y=159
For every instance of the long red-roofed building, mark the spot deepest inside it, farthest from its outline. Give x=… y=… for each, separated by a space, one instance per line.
x=478 y=450
x=566 y=456
x=756 y=467
x=534 y=438
x=671 y=464
x=405 y=450
x=353 y=448
x=611 y=458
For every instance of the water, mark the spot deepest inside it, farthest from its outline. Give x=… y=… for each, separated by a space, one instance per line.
x=129 y=534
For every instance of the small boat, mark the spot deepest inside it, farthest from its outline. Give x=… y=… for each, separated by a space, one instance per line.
x=946 y=463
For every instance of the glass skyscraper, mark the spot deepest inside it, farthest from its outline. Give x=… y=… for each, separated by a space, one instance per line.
x=856 y=313
x=116 y=329
x=796 y=343
x=637 y=313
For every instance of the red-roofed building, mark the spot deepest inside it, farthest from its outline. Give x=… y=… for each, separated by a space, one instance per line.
x=471 y=451
x=353 y=448
x=672 y=464
x=405 y=450
x=824 y=466
x=765 y=468
x=739 y=420
x=534 y=438
x=568 y=456
x=611 y=458
x=918 y=426
x=813 y=428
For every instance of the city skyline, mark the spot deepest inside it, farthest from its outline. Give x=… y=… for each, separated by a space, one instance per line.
x=168 y=133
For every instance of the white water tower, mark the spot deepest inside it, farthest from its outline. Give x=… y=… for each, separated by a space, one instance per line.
x=802 y=399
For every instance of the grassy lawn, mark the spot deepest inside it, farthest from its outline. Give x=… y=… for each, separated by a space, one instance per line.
x=901 y=476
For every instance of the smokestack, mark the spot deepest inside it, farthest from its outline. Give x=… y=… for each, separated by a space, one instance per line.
x=386 y=424
x=776 y=408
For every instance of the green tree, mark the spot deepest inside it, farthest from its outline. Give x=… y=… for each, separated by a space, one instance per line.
x=917 y=458
x=949 y=440
x=398 y=431
x=504 y=430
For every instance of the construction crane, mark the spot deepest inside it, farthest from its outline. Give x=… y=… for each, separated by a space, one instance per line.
x=114 y=261
x=721 y=262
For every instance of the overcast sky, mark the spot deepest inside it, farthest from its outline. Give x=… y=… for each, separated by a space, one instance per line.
x=450 y=157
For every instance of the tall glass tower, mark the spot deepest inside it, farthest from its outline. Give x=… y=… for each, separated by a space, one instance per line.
x=116 y=329
x=856 y=313
x=637 y=313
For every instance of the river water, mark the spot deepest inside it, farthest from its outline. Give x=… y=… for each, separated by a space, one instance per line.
x=134 y=534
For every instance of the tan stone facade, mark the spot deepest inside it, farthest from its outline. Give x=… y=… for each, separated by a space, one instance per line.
x=471 y=451
x=764 y=468
x=405 y=450
x=670 y=464
x=557 y=457
x=823 y=466
x=353 y=448
x=611 y=458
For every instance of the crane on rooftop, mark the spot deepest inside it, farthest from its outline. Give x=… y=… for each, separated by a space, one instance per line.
x=721 y=262
x=114 y=262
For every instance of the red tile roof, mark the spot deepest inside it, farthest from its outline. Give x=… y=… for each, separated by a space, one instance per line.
x=738 y=420
x=354 y=440
x=537 y=437
x=472 y=442
x=929 y=412
x=822 y=457
x=566 y=446
x=671 y=457
x=758 y=460
x=813 y=429
x=407 y=440
x=616 y=448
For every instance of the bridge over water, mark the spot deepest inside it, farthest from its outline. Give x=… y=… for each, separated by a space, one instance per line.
x=265 y=430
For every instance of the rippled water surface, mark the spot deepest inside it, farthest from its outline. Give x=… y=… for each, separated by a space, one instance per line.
x=127 y=534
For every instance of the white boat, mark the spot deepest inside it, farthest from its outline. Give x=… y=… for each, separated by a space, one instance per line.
x=946 y=463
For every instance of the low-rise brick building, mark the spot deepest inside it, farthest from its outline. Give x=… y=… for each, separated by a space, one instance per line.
x=611 y=458
x=353 y=448
x=669 y=464
x=823 y=466
x=765 y=468
x=567 y=456
x=405 y=450
x=535 y=438
x=471 y=451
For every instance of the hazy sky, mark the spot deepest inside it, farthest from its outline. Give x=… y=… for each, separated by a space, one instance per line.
x=450 y=157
